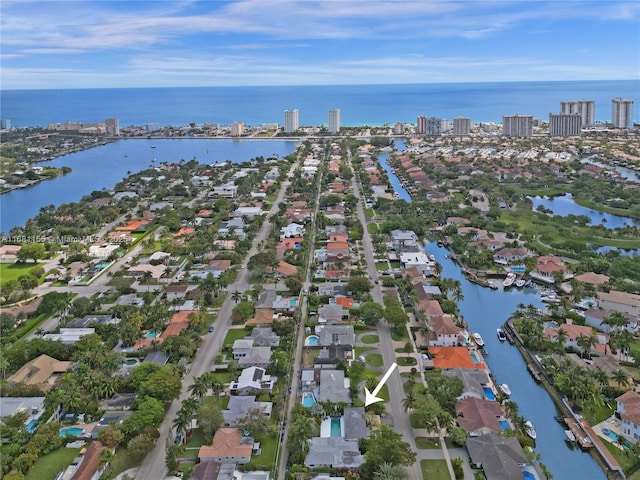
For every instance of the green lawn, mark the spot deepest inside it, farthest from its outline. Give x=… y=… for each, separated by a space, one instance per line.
x=363 y=350
x=434 y=470
x=120 y=462
x=268 y=445
x=382 y=266
x=425 y=443
x=406 y=361
x=372 y=227
x=369 y=339
x=374 y=359
x=121 y=282
x=625 y=461
x=596 y=413
x=11 y=271
x=48 y=466
x=234 y=334
x=368 y=212
x=399 y=335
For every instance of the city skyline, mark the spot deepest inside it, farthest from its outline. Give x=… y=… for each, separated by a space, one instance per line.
x=87 y=44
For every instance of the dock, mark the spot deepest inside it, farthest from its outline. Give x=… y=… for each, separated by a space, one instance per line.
x=534 y=372
x=582 y=437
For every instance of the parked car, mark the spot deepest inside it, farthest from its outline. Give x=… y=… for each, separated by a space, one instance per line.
x=211 y=329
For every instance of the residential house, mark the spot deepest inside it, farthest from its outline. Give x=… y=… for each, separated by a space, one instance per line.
x=228 y=190
x=595 y=316
x=332 y=313
x=334 y=387
x=286 y=269
x=500 y=457
x=401 y=239
x=262 y=317
x=298 y=215
x=478 y=416
x=90 y=467
x=419 y=260
x=156 y=271
x=355 y=425
x=229 y=446
x=511 y=256
x=264 y=337
x=248 y=212
x=458 y=221
x=573 y=335
x=257 y=357
x=335 y=335
x=443 y=332
x=292 y=230
x=284 y=304
x=176 y=292
x=42 y=372
x=620 y=302
x=102 y=250
x=235 y=226
x=333 y=452
x=69 y=336
x=475 y=382
x=253 y=380
x=628 y=407
x=241 y=348
x=33 y=407
x=9 y=253
x=239 y=406
x=592 y=278
x=430 y=308
x=547 y=266
x=447 y=358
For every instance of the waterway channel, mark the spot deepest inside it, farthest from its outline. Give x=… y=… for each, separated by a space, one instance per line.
x=485 y=310
x=104 y=166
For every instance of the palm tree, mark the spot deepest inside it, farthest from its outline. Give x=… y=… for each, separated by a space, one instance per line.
x=562 y=337
x=181 y=422
x=199 y=387
x=586 y=342
x=621 y=378
x=409 y=401
x=389 y=471
x=236 y=296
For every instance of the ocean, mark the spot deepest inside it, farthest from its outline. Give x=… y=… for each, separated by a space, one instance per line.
x=373 y=105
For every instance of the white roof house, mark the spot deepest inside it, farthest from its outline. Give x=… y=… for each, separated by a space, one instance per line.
x=69 y=336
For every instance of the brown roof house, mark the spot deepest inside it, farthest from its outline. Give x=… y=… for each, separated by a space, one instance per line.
x=88 y=468
x=478 y=416
x=42 y=372
x=229 y=446
x=628 y=406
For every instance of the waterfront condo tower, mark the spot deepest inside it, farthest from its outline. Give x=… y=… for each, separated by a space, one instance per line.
x=398 y=128
x=334 y=120
x=621 y=113
x=586 y=109
x=237 y=129
x=461 y=126
x=112 y=126
x=517 y=125
x=421 y=125
x=565 y=125
x=291 y=121
x=434 y=126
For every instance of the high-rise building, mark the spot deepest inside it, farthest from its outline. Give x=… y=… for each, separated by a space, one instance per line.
x=421 y=125
x=621 y=113
x=112 y=126
x=461 y=126
x=565 y=125
x=434 y=126
x=398 y=128
x=291 y=121
x=334 y=120
x=237 y=129
x=517 y=125
x=5 y=124
x=586 y=109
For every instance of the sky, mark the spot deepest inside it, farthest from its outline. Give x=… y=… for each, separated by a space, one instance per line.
x=93 y=44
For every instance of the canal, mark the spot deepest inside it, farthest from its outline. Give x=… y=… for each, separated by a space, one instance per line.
x=485 y=310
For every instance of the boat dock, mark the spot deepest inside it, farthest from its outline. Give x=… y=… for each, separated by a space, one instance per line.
x=534 y=372
x=581 y=435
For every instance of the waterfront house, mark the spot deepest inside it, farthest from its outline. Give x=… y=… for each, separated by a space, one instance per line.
x=475 y=382
x=403 y=238
x=620 y=301
x=229 y=446
x=592 y=278
x=595 y=316
x=547 y=266
x=628 y=408
x=419 y=260
x=42 y=372
x=443 y=332
x=333 y=452
x=511 y=256
x=499 y=457
x=446 y=358
x=478 y=416
x=430 y=308
x=573 y=335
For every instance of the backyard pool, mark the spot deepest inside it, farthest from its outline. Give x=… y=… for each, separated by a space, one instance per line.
x=74 y=431
x=312 y=341
x=336 y=427
x=31 y=426
x=528 y=475
x=293 y=302
x=504 y=425
x=150 y=335
x=475 y=358
x=488 y=393
x=132 y=361
x=308 y=400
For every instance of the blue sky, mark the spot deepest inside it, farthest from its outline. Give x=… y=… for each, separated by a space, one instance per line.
x=86 y=44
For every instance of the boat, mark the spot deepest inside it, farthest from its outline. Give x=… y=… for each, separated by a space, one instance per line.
x=549 y=297
x=521 y=283
x=501 y=335
x=570 y=435
x=432 y=258
x=492 y=285
x=153 y=146
x=478 y=339
x=126 y=155
x=511 y=277
x=504 y=388
x=530 y=430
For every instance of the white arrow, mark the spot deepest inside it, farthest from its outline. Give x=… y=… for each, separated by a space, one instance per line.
x=371 y=397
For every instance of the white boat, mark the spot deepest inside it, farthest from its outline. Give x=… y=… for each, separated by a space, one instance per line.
x=550 y=297
x=530 y=430
x=478 y=339
x=570 y=435
x=501 y=335
x=511 y=277
x=520 y=283
x=432 y=258
x=504 y=388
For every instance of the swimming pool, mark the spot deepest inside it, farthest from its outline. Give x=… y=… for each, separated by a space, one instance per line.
x=528 y=475
x=504 y=425
x=132 y=361
x=31 y=426
x=102 y=266
x=150 y=335
x=293 y=302
x=308 y=400
x=312 y=341
x=518 y=268
x=336 y=427
x=488 y=393
x=475 y=358
x=74 y=431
